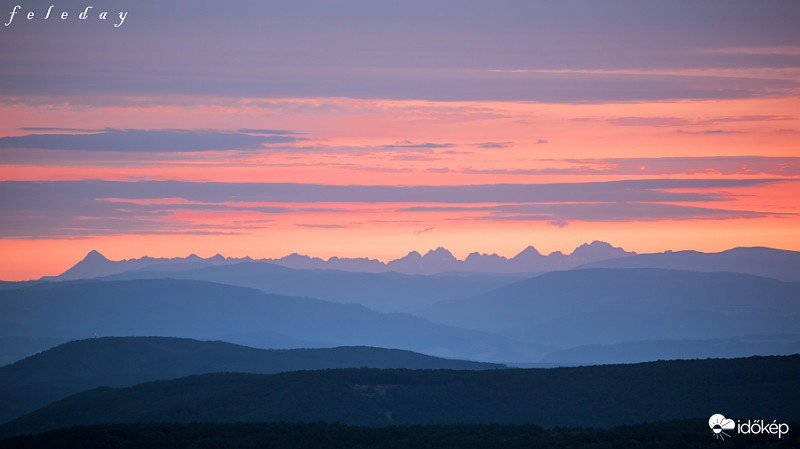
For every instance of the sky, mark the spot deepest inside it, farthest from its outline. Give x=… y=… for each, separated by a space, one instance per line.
x=374 y=128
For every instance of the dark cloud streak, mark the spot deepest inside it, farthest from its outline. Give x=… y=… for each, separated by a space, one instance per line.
x=145 y=141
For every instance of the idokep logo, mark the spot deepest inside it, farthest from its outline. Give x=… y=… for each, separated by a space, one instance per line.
x=719 y=424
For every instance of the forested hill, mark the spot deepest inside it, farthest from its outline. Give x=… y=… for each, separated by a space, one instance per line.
x=124 y=361
x=609 y=395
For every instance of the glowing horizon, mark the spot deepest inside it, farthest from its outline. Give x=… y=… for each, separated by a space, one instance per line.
x=262 y=131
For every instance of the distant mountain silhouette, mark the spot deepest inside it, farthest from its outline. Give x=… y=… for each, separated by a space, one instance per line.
x=436 y=261
x=210 y=311
x=775 y=263
x=123 y=361
x=767 y=262
x=96 y=265
x=608 y=306
x=584 y=396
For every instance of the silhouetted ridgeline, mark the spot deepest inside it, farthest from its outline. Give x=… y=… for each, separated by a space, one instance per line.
x=682 y=434
x=757 y=387
x=435 y=261
x=124 y=361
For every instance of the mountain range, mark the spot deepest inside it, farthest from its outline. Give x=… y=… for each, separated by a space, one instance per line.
x=767 y=262
x=435 y=261
x=703 y=305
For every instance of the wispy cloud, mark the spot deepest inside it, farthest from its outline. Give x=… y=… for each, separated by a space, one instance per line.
x=81 y=208
x=683 y=121
x=490 y=145
x=649 y=121
x=616 y=212
x=409 y=145
x=275 y=132
x=709 y=131
x=789 y=50
x=317 y=225
x=720 y=165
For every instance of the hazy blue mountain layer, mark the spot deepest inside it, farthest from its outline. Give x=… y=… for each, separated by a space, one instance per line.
x=209 y=311
x=767 y=262
x=608 y=306
x=385 y=292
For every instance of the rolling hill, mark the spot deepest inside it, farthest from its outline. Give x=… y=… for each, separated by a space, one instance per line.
x=123 y=361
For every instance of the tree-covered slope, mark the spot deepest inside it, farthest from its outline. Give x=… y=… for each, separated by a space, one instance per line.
x=757 y=387
x=123 y=361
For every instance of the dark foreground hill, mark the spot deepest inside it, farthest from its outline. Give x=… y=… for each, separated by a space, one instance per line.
x=757 y=387
x=683 y=434
x=116 y=362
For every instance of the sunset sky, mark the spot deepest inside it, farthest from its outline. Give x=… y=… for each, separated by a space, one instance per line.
x=374 y=128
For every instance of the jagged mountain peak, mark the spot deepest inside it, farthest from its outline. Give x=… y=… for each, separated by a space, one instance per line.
x=530 y=251
x=439 y=253
x=413 y=255
x=94 y=255
x=598 y=250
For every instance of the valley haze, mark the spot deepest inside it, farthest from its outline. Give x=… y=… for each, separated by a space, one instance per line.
x=610 y=306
